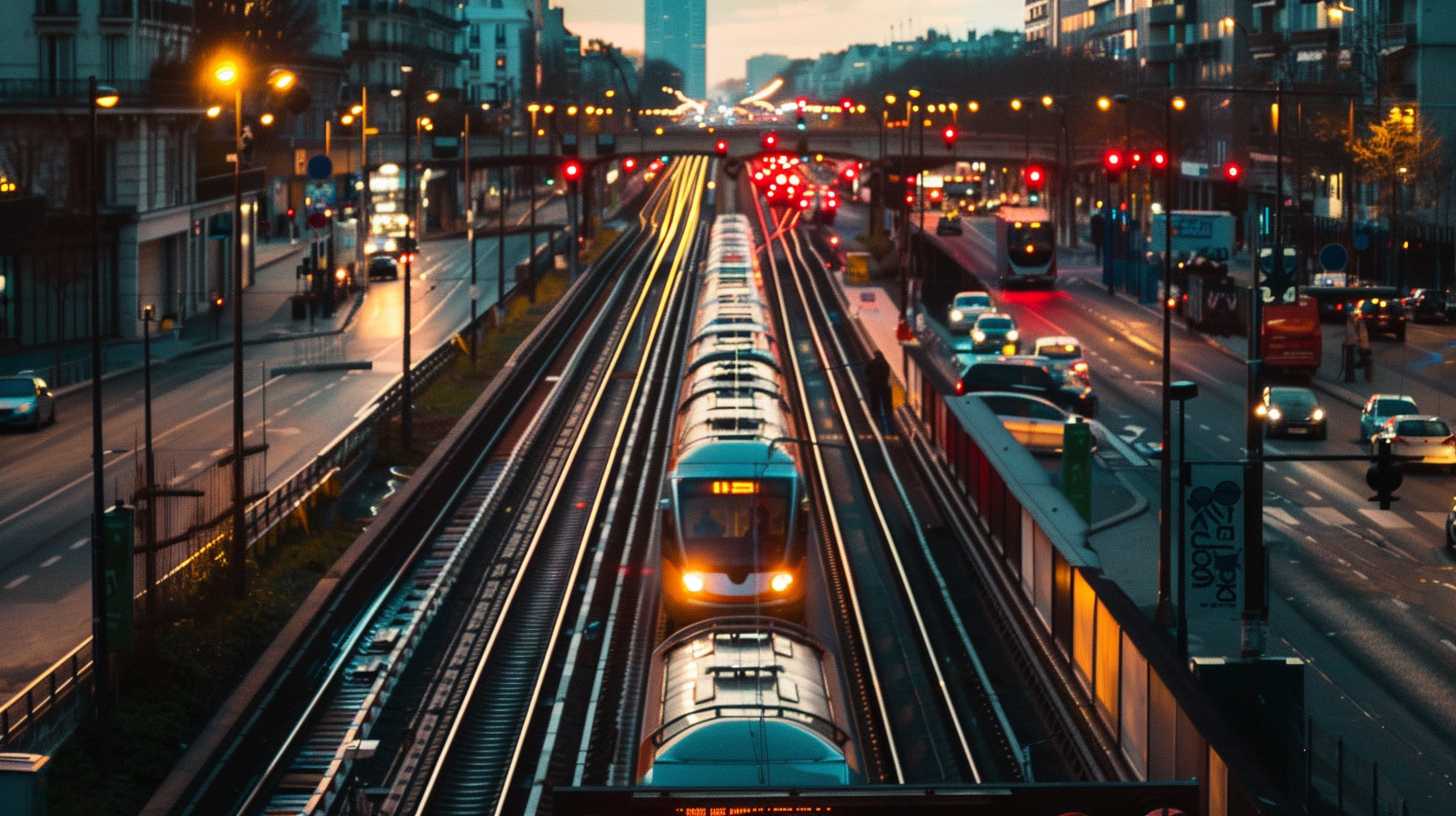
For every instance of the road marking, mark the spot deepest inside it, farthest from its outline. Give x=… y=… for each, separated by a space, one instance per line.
x=1291 y=481
x=301 y=401
x=50 y=562
x=18 y=581
x=1203 y=427
x=221 y=451
x=1313 y=495
x=1386 y=519
x=1281 y=515
x=199 y=465
x=281 y=412
x=1438 y=519
x=1402 y=605
x=79 y=544
x=1448 y=644
x=1329 y=516
x=1223 y=438
x=1362 y=575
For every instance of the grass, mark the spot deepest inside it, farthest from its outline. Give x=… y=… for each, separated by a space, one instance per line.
x=169 y=689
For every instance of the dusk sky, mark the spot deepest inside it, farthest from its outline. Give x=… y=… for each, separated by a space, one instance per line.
x=738 y=29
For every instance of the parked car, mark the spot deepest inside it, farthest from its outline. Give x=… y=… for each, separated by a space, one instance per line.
x=995 y=333
x=383 y=265
x=949 y=224
x=26 y=402
x=1063 y=357
x=1026 y=375
x=1292 y=411
x=1428 y=437
x=1428 y=305
x=1035 y=422
x=965 y=307
x=1381 y=407
x=1383 y=316
x=1451 y=526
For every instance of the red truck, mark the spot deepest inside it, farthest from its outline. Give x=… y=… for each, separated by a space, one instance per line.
x=1290 y=340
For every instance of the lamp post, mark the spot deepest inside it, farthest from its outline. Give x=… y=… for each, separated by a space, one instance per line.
x=470 y=233
x=148 y=315
x=1165 y=467
x=533 y=109
x=406 y=410
x=97 y=97
x=500 y=239
x=1182 y=391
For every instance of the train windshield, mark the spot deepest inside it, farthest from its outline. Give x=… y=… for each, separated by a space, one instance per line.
x=1030 y=244
x=723 y=520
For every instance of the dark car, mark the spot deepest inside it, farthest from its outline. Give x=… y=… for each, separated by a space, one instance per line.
x=383 y=266
x=1383 y=316
x=1428 y=305
x=1291 y=411
x=1027 y=375
x=949 y=224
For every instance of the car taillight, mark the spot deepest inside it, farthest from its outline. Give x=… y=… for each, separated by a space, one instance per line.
x=960 y=387
x=1080 y=368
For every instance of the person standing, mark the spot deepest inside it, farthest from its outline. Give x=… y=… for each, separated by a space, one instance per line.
x=1367 y=357
x=877 y=379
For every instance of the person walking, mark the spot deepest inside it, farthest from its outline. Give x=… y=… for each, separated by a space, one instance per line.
x=877 y=380
x=1348 y=347
x=1367 y=357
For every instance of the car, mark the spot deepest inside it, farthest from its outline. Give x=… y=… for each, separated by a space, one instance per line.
x=26 y=402
x=1063 y=356
x=949 y=224
x=1026 y=375
x=1428 y=437
x=965 y=307
x=1292 y=411
x=1383 y=316
x=383 y=265
x=1035 y=422
x=1451 y=526
x=1428 y=305
x=995 y=333
x=1381 y=407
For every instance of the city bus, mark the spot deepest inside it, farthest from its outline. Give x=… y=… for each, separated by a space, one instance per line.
x=1026 y=247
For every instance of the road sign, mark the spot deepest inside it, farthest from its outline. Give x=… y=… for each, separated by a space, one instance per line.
x=118 y=538
x=1077 y=465
x=318 y=220
x=320 y=168
x=1334 y=257
x=1362 y=241
x=1213 y=529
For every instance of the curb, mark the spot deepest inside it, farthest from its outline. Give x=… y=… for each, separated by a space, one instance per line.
x=1139 y=506
x=310 y=368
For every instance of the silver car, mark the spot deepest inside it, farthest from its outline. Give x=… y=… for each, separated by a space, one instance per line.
x=1036 y=423
x=965 y=307
x=26 y=402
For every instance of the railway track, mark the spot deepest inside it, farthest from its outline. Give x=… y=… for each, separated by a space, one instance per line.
x=479 y=746
x=930 y=708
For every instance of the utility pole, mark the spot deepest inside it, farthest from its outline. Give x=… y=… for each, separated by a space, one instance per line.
x=100 y=647
x=406 y=410
x=470 y=237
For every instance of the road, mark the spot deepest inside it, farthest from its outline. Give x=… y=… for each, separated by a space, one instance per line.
x=1367 y=596
x=46 y=501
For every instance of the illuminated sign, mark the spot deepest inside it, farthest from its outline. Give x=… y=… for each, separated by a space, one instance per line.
x=735 y=488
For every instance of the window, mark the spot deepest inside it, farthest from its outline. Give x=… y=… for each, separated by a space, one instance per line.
x=474 y=35
x=114 y=55
x=57 y=58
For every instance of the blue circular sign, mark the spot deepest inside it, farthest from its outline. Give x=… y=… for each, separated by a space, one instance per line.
x=1362 y=241
x=1334 y=257
x=320 y=168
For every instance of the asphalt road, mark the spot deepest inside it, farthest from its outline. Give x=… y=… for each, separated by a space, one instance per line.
x=1368 y=597
x=46 y=496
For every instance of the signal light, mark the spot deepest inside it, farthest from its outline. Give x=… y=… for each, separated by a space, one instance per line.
x=571 y=170
x=629 y=164
x=802 y=103
x=770 y=140
x=949 y=137
x=846 y=104
x=909 y=199
x=1035 y=177
x=1160 y=159
x=1135 y=159
x=1113 y=162
x=1232 y=172
x=721 y=147
x=291 y=212
x=850 y=172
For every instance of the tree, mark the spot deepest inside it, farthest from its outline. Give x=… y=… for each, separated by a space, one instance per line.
x=1397 y=151
x=264 y=31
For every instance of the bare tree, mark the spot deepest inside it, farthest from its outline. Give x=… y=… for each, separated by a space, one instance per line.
x=263 y=30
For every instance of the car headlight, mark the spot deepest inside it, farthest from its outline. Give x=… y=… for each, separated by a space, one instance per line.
x=25 y=408
x=693 y=581
x=957 y=314
x=390 y=245
x=781 y=581
x=1013 y=335
x=978 y=335
x=1318 y=415
x=1275 y=414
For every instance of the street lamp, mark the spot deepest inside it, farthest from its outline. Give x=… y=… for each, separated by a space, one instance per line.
x=149 y=313
x=1181 y=392
x=1165 y=520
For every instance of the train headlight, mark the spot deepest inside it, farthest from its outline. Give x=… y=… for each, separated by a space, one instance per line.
x=957 y=314
x=781 y=581
x=693 y=581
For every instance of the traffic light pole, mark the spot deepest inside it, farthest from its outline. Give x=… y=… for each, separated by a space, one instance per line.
x=406 y=410
x=239 y=545
x=1164 y=610
x=470 y=239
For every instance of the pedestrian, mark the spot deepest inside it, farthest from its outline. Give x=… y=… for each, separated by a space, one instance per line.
x=877 y=381
x=1367 y=357
x=1348 y=347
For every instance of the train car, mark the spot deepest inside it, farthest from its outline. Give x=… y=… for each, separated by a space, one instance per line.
x=744 y=702
x=734 y=509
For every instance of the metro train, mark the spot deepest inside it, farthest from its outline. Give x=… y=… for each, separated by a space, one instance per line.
x=735 y=510
x=744 y=702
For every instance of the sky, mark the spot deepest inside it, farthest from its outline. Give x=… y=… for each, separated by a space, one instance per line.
x=739 y=29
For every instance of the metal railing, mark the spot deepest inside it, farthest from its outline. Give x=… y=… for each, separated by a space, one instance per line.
x=56 y=8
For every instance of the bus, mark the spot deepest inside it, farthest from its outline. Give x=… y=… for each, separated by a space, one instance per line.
x=1026 y=247
x=1290 y=340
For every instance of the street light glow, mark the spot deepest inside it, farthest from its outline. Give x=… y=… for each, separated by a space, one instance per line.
x=106 y=97
x=214 y=111
x=973 y=106
x=533 y=107
x=1047 y=101
x=1016 y=104
x=356 y=109
x=281 y=79
x=914 y=93
x=1179 y=103
x=266 y=120
x=1104 y=104
x=432 y=96
x=225 y=72
x=346 y=119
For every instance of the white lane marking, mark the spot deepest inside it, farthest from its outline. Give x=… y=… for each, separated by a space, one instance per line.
x=1203 y=427
x=1387 y=519
x=79 y=544
x=1223 y=438
x=50 y=562
x=1291 y=481
x=1360 y=574
x=1402 y=605
x=1438 y=519
x=1281 y=515
x=1448 y=644
x=197 y=466
x=221 y=451
x=247 y=434
x=301 y=401
x=1313 y=495
x=18 y=581
x=281 y=412
x=1329 y=515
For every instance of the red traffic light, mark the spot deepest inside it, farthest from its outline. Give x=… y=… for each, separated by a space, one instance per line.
x=802 y=102
x=949 y=137
x=1232 y=172
x=850 y=172
x=1113 y=161
x=935 y=195
x=571 y=170
x=1135 y=159
x=291 y=212
x=770 y=140
x=909 y=199
x=1035 y=177
x=629 y=164
x=721 y=147
x=1160 y=159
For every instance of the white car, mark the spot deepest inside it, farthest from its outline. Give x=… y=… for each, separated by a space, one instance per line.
x=1428 y=437
x=1038 y=424
x=1064 y=357
x=965 y=307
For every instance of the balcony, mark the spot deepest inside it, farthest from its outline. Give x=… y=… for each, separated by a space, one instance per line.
x=115 y=10
x=50 y=92
x=57 y=9
x=1159 y=52
x=1398 y=35
x=1164 y=15
x=1315 y=39
x=165 y=11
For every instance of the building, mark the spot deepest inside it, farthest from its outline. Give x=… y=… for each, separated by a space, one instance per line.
x=385 y=35
x=560 y=50
x=498 y=44
x=1039 y=18
x=761 y=70
x=677 y=33
x=167 y=234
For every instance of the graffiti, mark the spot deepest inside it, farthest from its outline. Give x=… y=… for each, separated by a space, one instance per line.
x=1215 y=540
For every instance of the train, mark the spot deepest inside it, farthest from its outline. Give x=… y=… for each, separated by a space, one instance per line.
x=735 y=514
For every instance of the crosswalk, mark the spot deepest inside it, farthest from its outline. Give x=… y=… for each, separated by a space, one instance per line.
x=1298 y=517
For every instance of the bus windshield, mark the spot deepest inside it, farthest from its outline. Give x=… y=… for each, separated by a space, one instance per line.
x=734 y=524
x=1030 y=244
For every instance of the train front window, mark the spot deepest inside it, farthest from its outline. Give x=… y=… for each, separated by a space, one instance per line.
x=730 y=524
x=1030 y=244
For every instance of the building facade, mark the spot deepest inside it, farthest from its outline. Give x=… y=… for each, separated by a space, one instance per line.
x=760 y=70
x=497 y=42
x=676 y=32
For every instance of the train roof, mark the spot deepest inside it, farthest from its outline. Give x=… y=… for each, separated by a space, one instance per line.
x=737 y=457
